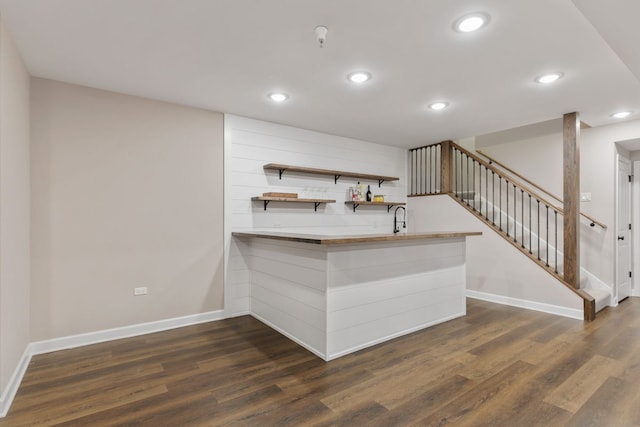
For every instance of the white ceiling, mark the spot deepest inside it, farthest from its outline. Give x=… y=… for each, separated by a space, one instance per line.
x=227 y=55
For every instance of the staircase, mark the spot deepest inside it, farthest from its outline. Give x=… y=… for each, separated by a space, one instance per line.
x=543 y=252
x=528 y=221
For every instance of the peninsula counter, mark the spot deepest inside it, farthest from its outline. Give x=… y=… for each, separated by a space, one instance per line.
x=338 y=294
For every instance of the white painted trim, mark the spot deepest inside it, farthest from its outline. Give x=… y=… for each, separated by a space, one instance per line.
x=238 y=314
x=63 y=343
x=616 y=280
x=226 y=201
x=635 y=230
x=529 y=305
x=73 y=341
x=14 y=383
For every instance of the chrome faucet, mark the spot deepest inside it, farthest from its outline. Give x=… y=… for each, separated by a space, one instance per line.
x=396 y=229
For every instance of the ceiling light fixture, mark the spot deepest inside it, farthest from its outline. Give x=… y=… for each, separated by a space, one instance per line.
x=359 y=76
x=549 y=78
x=278 y=97
x=621 y=114
x=471 y=22
x=437 y=106
x=321 y=34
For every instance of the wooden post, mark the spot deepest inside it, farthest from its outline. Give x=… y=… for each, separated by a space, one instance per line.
x=571 y=163
x=446 y=167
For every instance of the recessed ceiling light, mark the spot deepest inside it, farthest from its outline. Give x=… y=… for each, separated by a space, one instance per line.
x=548 y=78
x=278 y=96
x=471 y=22
x=359 y=76
x=621 y=114
x=437 y=106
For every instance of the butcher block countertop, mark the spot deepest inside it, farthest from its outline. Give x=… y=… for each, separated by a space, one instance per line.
x=320 y=239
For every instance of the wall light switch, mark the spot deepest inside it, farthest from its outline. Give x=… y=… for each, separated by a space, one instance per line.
x=140 y=291
x=585 y=197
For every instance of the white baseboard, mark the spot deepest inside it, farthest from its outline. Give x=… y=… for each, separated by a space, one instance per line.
x=72 y=341
x=12 y=387
x=529 y=305
x=63 y=343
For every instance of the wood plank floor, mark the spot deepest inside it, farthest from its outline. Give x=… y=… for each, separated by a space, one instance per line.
x=498 y=366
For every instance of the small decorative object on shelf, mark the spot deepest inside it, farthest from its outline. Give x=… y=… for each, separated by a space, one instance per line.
x=354 y=194
x=281 y=195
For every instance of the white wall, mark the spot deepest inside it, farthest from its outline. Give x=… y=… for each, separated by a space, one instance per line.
x=250 y=144
x=14 y=211
x=496 y=271
x=126 y=192
x=540 y=159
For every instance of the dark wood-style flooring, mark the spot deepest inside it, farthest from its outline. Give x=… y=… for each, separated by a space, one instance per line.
x=498 y=366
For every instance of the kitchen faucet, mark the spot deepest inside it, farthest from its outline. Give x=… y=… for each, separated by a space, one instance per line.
x=396 y=229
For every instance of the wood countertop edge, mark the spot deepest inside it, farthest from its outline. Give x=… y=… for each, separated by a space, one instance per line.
x=338 y=240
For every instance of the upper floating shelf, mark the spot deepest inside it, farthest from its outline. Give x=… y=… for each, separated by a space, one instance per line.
x=336 y=174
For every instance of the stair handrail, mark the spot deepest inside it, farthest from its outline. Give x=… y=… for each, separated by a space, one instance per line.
x=449 y=168
x=513 y=181
x=592 y=220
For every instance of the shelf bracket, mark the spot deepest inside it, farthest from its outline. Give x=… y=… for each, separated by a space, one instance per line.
x=266 y=202
x=335 y=178
x=389 y=208
x=355 y=205
x=380 y=181
x=315 y=206
x=280 y=171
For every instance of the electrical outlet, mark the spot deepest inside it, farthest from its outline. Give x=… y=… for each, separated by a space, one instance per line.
x=140 y=291
x=585 y=197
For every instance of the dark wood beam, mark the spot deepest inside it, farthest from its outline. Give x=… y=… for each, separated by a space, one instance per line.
x=571 y=163
x=447 y=167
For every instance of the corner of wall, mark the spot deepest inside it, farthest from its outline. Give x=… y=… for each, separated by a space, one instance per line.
x=14 y=216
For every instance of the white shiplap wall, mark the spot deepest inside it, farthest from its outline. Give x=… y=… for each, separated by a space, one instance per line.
x=376 y=292
x=250 y=144
x=337 y=299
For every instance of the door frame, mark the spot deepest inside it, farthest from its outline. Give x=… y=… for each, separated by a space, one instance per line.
x=618 y=157
x=635 y=229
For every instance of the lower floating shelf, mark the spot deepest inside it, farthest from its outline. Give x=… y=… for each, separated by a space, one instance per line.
x=389 y=205
x=266 y=200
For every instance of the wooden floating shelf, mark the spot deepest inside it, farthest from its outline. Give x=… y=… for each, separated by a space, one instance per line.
x=266 y=200
x=389 y=205
x=336 y=174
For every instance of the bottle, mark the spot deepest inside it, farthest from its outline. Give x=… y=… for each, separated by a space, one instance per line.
x=368 y=193
x=361 y=189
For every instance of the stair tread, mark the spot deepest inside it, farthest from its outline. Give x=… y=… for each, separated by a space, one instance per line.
x=598 y=293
